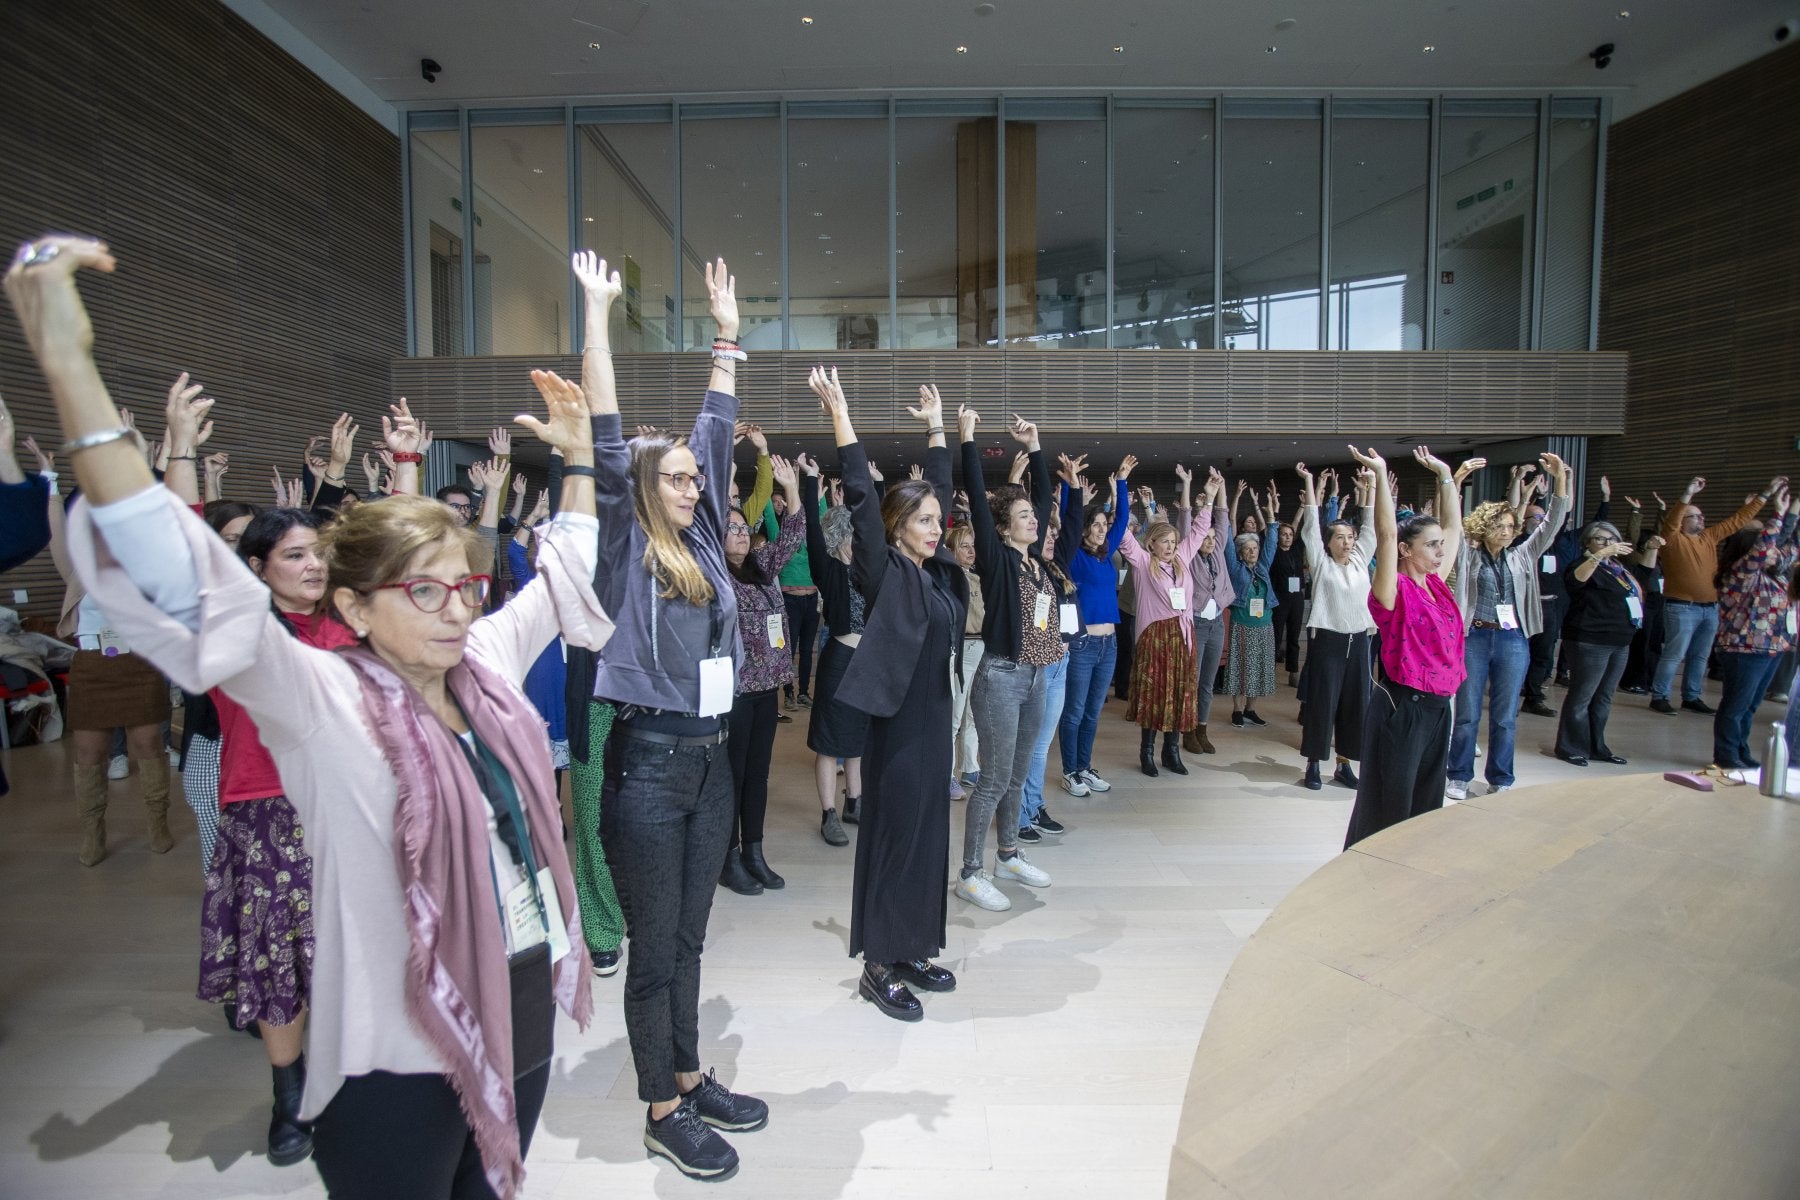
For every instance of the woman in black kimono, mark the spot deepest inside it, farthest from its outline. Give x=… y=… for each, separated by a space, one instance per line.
x=916 y=595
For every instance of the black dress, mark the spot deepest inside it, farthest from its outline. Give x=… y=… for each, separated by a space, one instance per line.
x=900 y=675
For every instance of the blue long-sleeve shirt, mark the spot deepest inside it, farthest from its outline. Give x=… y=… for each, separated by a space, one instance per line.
x=1243 y=573
x=24 y=520
x=1096 y=579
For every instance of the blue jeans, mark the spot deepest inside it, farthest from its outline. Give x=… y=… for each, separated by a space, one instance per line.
x=1091 y=663
x=1746 y=679
x=1496 y=660
x=1688 y=633
x=1031 y=801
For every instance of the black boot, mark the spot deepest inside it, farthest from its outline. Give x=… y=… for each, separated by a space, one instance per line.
x=289 y=1140
x=1171 y=756
x=1147 y=753
x=1345 y=776
x=1312 y=781
x=759 y=867
x=736 y=876
x=852 y=810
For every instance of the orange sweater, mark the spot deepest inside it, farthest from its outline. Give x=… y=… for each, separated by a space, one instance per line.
x=1690 y=560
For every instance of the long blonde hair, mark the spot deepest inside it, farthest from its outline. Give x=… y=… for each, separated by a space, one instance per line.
x=666 y=555
x=1159 y=528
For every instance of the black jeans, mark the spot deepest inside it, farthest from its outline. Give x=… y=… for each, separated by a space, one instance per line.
x=665 y=818
x=1543 y=649
x=1288 y=620
x=1406 y=748
x=1122 y=667
x=803 y=627
x=1594 y=672
x=752 y=747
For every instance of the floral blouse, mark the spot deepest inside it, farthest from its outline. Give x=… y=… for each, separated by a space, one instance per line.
x=1755 y=615
x=761 y=613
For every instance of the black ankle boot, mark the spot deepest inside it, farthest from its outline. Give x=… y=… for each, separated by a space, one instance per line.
x=289 y=1140
x=1171 y=756
x=759 y=868
x=1313 y=782
x=1147 y=753
x=737 y=877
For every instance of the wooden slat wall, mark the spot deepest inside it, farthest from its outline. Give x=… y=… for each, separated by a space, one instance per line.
x=255 y=211
x=1468 y=393
x=1701 y=286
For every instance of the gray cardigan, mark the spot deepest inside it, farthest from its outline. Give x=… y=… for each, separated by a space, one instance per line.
x=1522 y=561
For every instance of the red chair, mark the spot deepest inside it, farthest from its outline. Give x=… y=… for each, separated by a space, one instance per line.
x=36 y=687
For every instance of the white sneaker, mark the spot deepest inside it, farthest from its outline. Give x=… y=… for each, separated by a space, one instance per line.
x=1019 y=868
x=1495 y=791
x=980 y=891
x=1457 y=789
x=1075 y=784
x=1095 y=784
x=119 y=767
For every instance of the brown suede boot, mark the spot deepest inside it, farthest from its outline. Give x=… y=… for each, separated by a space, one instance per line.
x=1206 y=746
x=1190 y=741
x=90 y=806
x=153 y=781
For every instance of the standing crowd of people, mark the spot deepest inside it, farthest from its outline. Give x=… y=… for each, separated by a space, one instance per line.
x=398 y=916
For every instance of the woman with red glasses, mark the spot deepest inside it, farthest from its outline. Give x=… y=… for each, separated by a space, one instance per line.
x=442 y=897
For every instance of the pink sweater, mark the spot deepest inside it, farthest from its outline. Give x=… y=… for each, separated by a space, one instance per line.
x=1153 y=580
x=306 y=704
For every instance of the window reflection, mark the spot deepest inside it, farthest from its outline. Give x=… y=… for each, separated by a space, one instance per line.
x=1162 y=227
x=437 y=241
x=1569 y=231
x=1270 y=159
x=628 y=218
x=946 y=261
x=1380 y=164
x=731 y=209
x=521 y=239
x=1486 y=196
x=837 y=233
x=1056 y=223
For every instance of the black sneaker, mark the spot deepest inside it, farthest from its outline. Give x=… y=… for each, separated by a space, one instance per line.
x=1699 y=706
x=1661 y=704
x=1250 y=716
x=1029 y=835
x=803 y=700
x=685 y=1139
x=1237 y=718
x=606 y=962
x=1045 y=823
x=723 y=1108
x=782 y=718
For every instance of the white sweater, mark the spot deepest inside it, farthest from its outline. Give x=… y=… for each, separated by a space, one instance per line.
x=1340 y=591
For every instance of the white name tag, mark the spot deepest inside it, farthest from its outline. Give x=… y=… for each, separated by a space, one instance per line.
x=1211 y=611
x=1293 y=583
x=777 y=635
x=1635 y=607
x=1256 y=607
x=1656 y=583
x=112 y=645
x=1040 y=611
x=527 y=927
x=1793 y=620
x=1549 y=564
x=1506 y=616
x=715 y=686
x=1071 y=619
x=1178 y=599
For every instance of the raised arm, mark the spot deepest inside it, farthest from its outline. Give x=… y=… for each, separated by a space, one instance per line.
x=809 y=501
x=868 y=536
x=981 y=516
x=791 y=531
x=1556 y=510
x=1385 y=585
x=713 y=428
x=402 y=436
x=764 y=485
x=1449 y=505
x=930 y=413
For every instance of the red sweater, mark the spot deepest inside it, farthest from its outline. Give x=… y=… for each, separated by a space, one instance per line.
x=246 y=772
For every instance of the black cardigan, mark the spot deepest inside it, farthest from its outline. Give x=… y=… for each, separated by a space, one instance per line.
x=997 y=563
x=881 y=672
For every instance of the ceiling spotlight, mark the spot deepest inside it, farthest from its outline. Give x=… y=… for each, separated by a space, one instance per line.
x=962 y=49
x=1624 y=14
x=806 y=20
x=1270 y=50
x=589 y=220
x=537 y=170
x=593 y=45
x=1429 y=49
x=1118 y=49
x=1602 y=55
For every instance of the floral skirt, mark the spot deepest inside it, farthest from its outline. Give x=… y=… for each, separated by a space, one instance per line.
x=1250 y=660
x=1162 y=679
x=256 y=925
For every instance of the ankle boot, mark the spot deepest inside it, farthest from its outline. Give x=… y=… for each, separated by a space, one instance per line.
x=1171 y=756
x=90 y=806
x=736 y=876
x=1190 y=741
x=1147 y=753
x=290 y=1140
x=759 y=868
x=1206 y=746
x=153 y=782
x=1312 y=781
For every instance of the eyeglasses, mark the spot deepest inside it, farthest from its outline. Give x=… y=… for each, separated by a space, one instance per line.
x=460 y=506
x=679 y=480
x=431 y=595
x=734 y=527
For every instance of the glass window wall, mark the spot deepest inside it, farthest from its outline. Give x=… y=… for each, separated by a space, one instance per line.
x=1162 y=226
x=628 y=218
x=1487 y=196
x=1569 y=225
x=946 y=260
x=1380 y=194
x=1270 y=160
x=521 y=238
x=838 y=227
x=1056 y=223
x=731 y=209
x=437 y=238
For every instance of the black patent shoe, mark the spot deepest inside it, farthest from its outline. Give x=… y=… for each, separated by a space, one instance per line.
x=881 y=986
x=1607 y=756
x=1345 y=776
x=926 y=975
x=1574 y=760
x=1171 y=754
x=737 y=877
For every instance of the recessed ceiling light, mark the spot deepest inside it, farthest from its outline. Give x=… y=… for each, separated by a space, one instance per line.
x=1429 y=49
x=1624 y=14
x=962 y=49
x=806 y=20
x=590 y=221
x=1270 y=50
x=1118 y=49
x=593 y=45
x=537 y=170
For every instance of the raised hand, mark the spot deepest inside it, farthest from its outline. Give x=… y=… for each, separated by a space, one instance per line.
x=1660 y=502
x=216 y=466
x=1069 y=469
x=1020 y=462
x=966 y=421
x=1305 y=475
x=930 y=411
x=783 y=471
x=875 y=472
x=541 y=509
x=807 y=465
x=1127 y=465
x=40 y=284
x=46 y=461
x=1146 y=495
x=1468 y=468
x=825 y=386
x=1605 y=488
x=1088 y=492
x=567 y=428
x=1183 y=474
x=500 y=442
x=837 y=493
x=371 y=471
x=1782 y=500
x=1655 y=541
x=1554 y=466
x=650 y=431
x=315 y=462
x=425 y=438
x=400 y=433
x=478 y=476
x=599 y=285
x=1431 y=462
x=1776 y=484
x=1023 y=432
x=157 y=451
x=1372 y=460
x=1695 y=486
x=187 y=416
x=137 y=435
x=721 y=294
x=281 y=489
x=757 y=438
x=343 y=446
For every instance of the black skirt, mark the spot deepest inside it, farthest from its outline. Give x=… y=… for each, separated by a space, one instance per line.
x=835 y=728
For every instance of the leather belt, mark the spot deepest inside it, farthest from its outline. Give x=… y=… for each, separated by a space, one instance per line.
x=716 y=738
x=1486 y=625
x=1691 y=603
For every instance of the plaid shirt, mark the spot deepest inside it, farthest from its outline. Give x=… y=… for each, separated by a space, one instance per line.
x=1753 y=604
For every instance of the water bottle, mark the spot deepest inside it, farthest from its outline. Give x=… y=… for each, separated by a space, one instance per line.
x=1775 y=763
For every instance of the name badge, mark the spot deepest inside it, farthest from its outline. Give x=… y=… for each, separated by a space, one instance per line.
x=1040 y=611
x=1071 y=620
x=1549 y=561
x=527 y=926
x=1506 y=616
x=715 y=686
x=1635 y=607
x=112 y=645
x=777 y=635
x=1256 y=607
x=1211 y=611
x=1178 y=599
x=1793 y=620
x=1293 y=583
x=1656 y=583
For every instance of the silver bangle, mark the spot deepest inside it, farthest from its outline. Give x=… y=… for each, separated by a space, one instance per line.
x=89 y=441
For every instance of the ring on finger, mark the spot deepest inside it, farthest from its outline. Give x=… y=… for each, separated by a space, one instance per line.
x=36 y=254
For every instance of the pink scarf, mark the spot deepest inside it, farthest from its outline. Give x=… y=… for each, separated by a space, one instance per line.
x=458 y=988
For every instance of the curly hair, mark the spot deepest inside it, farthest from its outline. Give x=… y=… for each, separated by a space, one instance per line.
x=1481 y=522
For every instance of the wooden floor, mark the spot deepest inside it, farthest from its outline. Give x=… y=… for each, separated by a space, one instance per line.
x=1056 y=1069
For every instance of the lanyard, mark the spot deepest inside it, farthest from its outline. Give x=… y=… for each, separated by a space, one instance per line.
x=509 y=819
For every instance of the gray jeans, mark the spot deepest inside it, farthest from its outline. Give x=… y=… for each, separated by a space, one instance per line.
x=1007 y=699
x=1209 y=644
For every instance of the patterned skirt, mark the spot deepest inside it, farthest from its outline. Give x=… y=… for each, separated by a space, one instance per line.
x=256 y=925
x=1162 y=679
x=1250 y=660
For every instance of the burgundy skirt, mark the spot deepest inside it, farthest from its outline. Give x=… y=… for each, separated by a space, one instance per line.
x=1162 y=679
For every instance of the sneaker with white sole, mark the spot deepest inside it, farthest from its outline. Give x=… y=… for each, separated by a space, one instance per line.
x=1457 y=789
x=1043 y=822
x=1019 y=867
x=119 y=767
x=1092 y=778
x=1075 y=783
x=978 y=889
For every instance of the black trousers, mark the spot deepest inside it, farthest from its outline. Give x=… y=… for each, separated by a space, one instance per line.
x=1122 y=666
x=803 y=627
x=1543 y=650
x=752 y=747
x=1406 y=748
x=1646 y=646
x=1288 y=620
x=1594 y=672
x=665 y=818
x=1337 y=693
